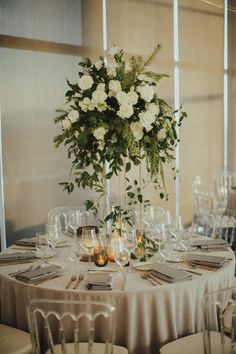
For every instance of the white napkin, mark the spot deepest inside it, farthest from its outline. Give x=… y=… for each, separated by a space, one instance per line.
x=169 y=274
x=99 y=281
x=16 y=257
x=37 y=274
x=207 y=260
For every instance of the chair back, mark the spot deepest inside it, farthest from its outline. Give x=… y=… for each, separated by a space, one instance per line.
x=216 y=304
x=220 y=226
x=59 y=216
x=66 y=327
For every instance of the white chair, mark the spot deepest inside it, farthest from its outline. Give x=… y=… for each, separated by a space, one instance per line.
x=59 y=216
x=68 y=327
x=14 y=341
x=213 y=339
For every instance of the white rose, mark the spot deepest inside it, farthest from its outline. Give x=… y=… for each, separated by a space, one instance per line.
x=115 y=86
x=125 y=111
x=146 y=120
x=66 y=124
x=153 y=107
x=161 y=134
x=83 y=106
x=98 y=64
x=122 y=97
x=113 y=50
x=99 y=96
x=73 y=115
x=101 y=87
x=146 y=92
x=99 y=133
x=137 y=130
x=133 y=97
x=85 y=82
x=91 y=106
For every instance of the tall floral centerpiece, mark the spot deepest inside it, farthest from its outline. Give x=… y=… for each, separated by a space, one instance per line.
x=114 y=120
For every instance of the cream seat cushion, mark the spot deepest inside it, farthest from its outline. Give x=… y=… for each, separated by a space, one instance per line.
x=14 y=341
x=193 y=344
x=98 y=348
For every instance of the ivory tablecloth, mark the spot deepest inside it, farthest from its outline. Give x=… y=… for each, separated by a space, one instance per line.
x=146 y=316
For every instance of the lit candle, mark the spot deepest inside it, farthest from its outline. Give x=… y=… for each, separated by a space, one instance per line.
x=100 y=260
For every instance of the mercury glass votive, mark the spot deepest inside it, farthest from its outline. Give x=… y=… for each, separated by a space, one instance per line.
x=101 y=257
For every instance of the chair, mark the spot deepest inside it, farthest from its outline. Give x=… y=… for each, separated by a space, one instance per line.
x=67 y=327
x=14 y=341
x=60 y=216
x=213 y=339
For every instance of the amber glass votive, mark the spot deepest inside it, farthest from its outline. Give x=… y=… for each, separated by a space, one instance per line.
x=101 y=257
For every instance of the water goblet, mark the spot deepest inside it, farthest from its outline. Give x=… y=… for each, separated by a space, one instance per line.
x=130 y=241
x=89 y=241
x=75 y=254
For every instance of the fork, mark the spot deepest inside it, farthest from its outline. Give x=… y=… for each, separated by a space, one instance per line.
x=80 y=278
x=73 y=278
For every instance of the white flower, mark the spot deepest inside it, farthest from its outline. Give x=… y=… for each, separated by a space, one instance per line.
x=133 y=97
x=73 y=115
x=122 y=97
x=99 y=96
x=161 y=134
x=98 y=64
x=101 y=87
x=153 y=107
x=137 y=130
x=76 y=134
x=111 y=70
x=146 y=92
x=125 y=111
x=85 y=82
x=146 y=120
x=99 y=133
x=113 y=50
x=115 y=87
x=66 y=124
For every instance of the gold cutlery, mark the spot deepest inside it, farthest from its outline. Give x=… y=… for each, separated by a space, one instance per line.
x=190 y=271
x=148 y=277
x=13 y=274
x=73 y=278
x=80 y=278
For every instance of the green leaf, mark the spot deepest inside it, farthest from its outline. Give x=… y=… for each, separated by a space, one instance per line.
x=127 y=167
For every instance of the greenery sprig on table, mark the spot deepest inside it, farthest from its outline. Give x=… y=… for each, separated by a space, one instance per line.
x=115 y=119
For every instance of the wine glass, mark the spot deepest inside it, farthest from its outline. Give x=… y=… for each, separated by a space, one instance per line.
x=75 y=219
x=53 y=234
x=75 y=254
x=89 y=241
x=121 y=254
x=41 y=246
x=130 y=241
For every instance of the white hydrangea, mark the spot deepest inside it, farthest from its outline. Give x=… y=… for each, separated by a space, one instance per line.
x=114 y=87
x=113 y=50
x=161 y=135
x=137 y=130
x=153 y=107
x=98 y=64
x=73 y=115
x=146 y=92
x=122 y=97
x=125 y=111
x=133 y=97
x=66 y=124
x=99 y=96
x=146 y=120
x=99 y=133
x=85 y=82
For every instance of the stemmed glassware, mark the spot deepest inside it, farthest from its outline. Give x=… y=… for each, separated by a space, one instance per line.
x=41 y=246
x=130 y=241
x=75 y=219
x=75 y=254
x=89 y=241
x=121 y=254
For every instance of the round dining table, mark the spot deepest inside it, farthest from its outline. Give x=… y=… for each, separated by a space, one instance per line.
x=147 y=315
